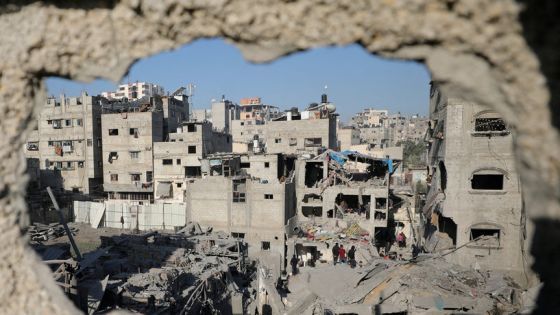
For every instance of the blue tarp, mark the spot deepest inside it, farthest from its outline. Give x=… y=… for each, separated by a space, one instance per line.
x=338 y=157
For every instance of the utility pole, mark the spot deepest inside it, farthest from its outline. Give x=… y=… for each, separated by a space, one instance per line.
x=63 y=222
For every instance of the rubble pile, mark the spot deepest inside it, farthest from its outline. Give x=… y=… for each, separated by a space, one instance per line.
x=39 y=232
x=412 y=287
x=192 y=271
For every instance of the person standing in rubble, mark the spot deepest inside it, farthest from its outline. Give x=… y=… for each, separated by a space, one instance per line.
x=342 y=254
x=294 y=262
x=352 y=256
x=335 y=249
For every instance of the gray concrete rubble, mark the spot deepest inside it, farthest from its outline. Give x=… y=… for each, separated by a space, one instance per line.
x=191 y=271
x=39 y=232
x=403 y=287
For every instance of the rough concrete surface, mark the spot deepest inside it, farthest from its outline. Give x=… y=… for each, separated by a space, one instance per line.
x=475 y=48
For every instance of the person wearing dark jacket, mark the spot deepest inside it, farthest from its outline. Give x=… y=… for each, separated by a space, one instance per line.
x=294 y=262
x=352 y=256
x=335 y=253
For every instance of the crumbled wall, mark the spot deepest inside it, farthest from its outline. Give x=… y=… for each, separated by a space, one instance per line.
x=475 y=48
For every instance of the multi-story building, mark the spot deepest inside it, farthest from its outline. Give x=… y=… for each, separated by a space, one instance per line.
x=129 y=132
x=474 y=202
x=232 y=200
x=134 y=91
x=223 y=113
x=67 y=144
x=252 y=108
x=379 y=128
x=293 y=132
x=348 y=136
x=179 y=158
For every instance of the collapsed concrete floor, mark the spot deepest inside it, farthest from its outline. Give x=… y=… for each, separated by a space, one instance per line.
x=192 y=271
x=198 y=271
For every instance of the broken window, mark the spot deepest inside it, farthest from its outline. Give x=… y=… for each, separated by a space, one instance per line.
x=68 y=122
x=113 y=132
x=489 y=125
x=278 y=140
x=89 y=142
x=449 y=227
x=135 y=177
x=313 y=142
x=245 y=165
x=313 y=173
x=57 y=124
x=268 y=196
x=133 y=132
x=114 y=177
x=239 y=190
x=113 y=156
x=178 y=161
x=487 y=181
x=191 y=128
x=167 y=161
x=380 y=216
x=192 y=149
x=237 y=235
x=32 y=146
x=380 y=203
x=192 y=171
x=265 y=245
x=489 y=237
x=78 y=122
x=80 y=164
x=149 y=176
x=312 y=211
x=134 y=154
x=266 y=164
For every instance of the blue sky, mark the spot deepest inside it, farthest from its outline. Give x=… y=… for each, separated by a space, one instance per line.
x=354 y=78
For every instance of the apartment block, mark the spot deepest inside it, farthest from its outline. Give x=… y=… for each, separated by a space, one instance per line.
x=134 y=91
x=129 y=132
x=180 y=157
x=67 y=144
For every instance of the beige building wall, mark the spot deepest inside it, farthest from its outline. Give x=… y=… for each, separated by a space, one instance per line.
x=458 y=153
x=132 y=171
x=67 y=144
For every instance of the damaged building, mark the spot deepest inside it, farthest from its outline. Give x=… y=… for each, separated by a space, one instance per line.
x=179 y=158
x=129 y=131
x=474 y=204
x=290 y=132
x=248 y=206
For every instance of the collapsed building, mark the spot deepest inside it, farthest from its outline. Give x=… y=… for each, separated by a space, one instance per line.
x=474 y=203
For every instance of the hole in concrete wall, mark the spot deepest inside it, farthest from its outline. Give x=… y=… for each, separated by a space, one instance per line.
x=449 y=227
x=308 y=211
x=313 y=173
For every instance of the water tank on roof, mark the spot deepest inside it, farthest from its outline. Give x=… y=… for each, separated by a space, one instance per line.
x=330 y=107
x=324 y=98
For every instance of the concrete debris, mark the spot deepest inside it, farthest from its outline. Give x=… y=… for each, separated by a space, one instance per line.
x=39 y=232
x=410 y=287
x=191 y=271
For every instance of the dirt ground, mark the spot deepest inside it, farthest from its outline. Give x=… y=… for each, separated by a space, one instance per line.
x=87 y=238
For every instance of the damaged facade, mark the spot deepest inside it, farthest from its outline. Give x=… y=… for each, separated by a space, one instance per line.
x=474 y=202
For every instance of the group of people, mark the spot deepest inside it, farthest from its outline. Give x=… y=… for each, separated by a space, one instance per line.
x=341 y=256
